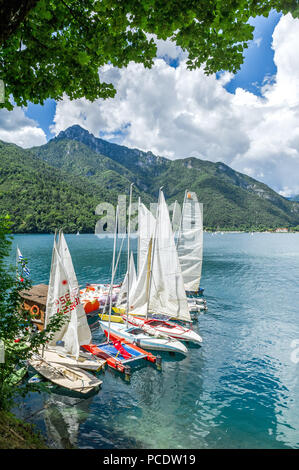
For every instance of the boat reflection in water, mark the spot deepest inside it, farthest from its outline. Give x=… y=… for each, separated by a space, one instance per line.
x=63 y=416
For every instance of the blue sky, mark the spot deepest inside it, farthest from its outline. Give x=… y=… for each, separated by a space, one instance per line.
x=258 y=62
x=257 y=66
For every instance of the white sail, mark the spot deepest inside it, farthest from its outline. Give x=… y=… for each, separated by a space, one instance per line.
x=176 y=218
x=146 y=227
x=63 y=297
x=133 y=275
x=160 y=287
x=132 y=281
x=83 y=330
x=66 y=259
x=190 y=242
x=139 y=292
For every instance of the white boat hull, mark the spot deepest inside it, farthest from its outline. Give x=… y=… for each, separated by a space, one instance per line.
x=71 y=378
x=145 y=341
x=197 y=308
x=170 y=329
x=59 y=356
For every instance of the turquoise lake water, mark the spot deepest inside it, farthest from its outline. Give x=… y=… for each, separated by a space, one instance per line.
x=239 y=390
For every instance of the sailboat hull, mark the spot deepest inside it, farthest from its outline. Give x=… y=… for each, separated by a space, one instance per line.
x=195 y=307
x=70 y=378
x=56 y=356
x=144 y=341
x=170 y=329
x=198 y=293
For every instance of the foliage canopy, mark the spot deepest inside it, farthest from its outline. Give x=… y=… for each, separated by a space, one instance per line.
x=51 y=47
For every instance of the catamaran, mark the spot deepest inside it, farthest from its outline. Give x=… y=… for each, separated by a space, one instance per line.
x=62 y=355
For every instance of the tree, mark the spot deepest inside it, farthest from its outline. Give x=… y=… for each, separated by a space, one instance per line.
x=16 y=334
x=51 y=47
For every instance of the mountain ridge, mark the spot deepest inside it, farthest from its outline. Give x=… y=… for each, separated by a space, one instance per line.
x=158 y=171
x=106 y=148
x=88 y=170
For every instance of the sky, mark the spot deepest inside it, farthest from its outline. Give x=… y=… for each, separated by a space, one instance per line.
x=250 y=120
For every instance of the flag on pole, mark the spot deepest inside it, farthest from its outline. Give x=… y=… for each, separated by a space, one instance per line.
x=21 y=260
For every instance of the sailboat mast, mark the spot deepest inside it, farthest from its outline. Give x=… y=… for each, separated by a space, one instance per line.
x=52 y=261
x=128 y=262
x=49 y=287
x=115 y=269
x=152 y=255
x=113 y=272
x=148 y=273
x=138 y=242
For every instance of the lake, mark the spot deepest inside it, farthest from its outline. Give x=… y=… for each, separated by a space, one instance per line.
x=239 y=390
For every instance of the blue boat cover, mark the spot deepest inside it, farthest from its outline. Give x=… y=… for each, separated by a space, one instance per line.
x=111 y=349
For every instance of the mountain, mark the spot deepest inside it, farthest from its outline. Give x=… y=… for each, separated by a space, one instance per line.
x=63 y=181
x=231 y=199
x=40 y=198
x=294 y=198
x=143 y=165
x=75 y=158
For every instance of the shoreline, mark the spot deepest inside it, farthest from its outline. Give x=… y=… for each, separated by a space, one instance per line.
x=133 y=235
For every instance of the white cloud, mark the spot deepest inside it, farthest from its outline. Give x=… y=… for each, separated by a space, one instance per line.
x=168 y=50
x=258 y=41
x=177 y=113
x=16 y=128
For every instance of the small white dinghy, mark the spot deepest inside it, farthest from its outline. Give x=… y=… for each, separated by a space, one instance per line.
x=195 y=306
x=173 y=330
x=71 y=378
x=86 y=361
x=154 y=340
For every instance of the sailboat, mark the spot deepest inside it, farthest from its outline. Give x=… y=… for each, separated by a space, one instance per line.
x=127 y=285
x=159 y=290
x=146 y=227
x=61 y=360
x=96 y=297
x=195 y=303
x=145 y=339
x=72 y=378
x=190 y=244
x=190 y=248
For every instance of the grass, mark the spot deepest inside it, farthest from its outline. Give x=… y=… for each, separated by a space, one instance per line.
x=16 y=434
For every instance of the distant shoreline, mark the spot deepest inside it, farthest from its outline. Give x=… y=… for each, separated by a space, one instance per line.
x=133 y=235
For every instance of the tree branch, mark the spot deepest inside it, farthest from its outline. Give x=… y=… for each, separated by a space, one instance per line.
x=12 y=14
